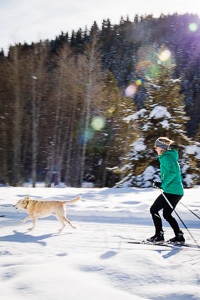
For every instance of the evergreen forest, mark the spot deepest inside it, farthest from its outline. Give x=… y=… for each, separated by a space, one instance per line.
x=87 y=107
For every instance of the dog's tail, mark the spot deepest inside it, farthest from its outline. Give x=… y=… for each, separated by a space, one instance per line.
x=73 y=200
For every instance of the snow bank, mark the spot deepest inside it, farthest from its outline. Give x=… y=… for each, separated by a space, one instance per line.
x=95 y=261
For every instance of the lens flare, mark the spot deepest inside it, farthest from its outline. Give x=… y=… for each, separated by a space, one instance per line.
x=88 y=133
x=165 y=55
x=86 y=136
x=154 y=71
x=111 y=109
x=98 y=123
x=108 y=113
x=193 y=27
x=130 y=90
x=143 y=67
x=139 y=82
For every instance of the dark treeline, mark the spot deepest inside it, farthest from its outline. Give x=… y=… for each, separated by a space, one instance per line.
x=62 y=102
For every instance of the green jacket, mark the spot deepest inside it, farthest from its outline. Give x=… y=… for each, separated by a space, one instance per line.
x=171 y=179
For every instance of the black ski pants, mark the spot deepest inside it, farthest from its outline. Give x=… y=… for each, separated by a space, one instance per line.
x=161 y=203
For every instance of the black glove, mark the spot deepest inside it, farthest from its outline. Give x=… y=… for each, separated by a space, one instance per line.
x=157 y=184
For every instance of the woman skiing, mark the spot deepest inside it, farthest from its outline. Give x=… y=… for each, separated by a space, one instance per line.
x=171 y=183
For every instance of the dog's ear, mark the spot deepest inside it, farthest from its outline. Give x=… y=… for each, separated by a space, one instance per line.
x=26 y=202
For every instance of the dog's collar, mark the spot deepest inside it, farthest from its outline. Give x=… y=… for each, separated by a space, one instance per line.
x=27 y=203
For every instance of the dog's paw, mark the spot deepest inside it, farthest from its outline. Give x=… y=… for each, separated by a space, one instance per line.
x=73 y=227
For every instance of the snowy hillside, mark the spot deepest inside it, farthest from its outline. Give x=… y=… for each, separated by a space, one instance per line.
x=95 y=261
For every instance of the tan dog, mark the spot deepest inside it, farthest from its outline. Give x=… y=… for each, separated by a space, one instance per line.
x=40 y=209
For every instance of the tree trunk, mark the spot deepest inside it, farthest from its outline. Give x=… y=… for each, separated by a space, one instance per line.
x=35 y=120
x=16 y=120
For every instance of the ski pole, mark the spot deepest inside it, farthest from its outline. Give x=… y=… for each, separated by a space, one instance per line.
x=190 y=210
x=178 y=216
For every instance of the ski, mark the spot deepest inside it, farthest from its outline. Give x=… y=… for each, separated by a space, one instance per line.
x=164 y=244
x=148 y=243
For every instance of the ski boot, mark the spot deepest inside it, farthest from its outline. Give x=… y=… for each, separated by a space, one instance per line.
x=158 y=238
x=178 y=239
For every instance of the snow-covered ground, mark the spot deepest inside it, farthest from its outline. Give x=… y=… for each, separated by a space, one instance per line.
x=95 y=261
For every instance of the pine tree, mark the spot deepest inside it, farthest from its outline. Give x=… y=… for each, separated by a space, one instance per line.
x=119 y=133
x=163 y=115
